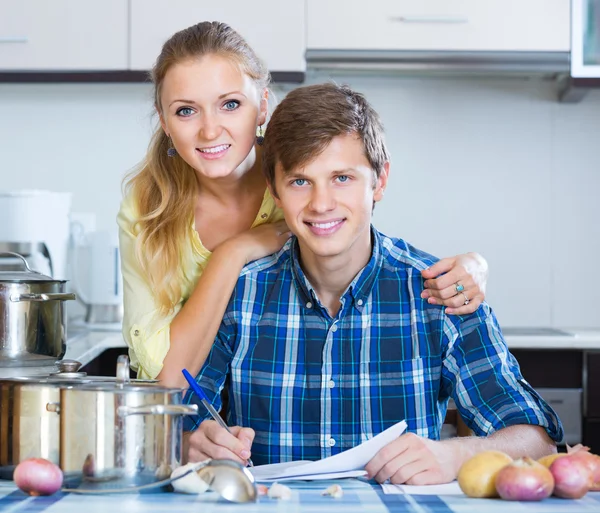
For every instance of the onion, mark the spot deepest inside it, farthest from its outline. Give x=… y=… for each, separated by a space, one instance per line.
x=571 y=476
x=549 y=460
x=477 y=475
x=37 y=476
x=524 y=480
x=592 y=462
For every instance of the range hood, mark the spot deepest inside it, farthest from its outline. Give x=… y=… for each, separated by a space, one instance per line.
x=556 y=66
x=449 y=63
x=574 y=71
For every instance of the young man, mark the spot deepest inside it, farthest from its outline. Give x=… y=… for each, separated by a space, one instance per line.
x=328 y=342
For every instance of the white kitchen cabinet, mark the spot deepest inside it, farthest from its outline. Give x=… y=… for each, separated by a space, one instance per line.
x=439 y=25
x=63 y=35
x=274 y=28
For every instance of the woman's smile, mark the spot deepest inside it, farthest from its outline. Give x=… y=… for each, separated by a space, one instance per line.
x=213 y=152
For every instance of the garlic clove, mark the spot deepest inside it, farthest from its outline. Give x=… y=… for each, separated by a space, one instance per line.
x=191 y=483
x=279 y=491
x=334 y=491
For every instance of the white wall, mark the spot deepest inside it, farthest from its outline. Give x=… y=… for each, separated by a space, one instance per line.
x=495 y=166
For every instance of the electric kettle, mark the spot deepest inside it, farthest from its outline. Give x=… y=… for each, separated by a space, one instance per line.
x=97 y=277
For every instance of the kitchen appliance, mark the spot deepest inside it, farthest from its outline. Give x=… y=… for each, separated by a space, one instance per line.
x=35 y=224
x=32 y=317
x=97 y=277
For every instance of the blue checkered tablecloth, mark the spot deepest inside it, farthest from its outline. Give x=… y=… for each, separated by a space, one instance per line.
x=359 y=497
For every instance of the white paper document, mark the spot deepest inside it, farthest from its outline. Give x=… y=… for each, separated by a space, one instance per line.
x=442 y=489
x=349 y=463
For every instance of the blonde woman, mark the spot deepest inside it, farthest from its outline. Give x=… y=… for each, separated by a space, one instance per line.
x=198 y=209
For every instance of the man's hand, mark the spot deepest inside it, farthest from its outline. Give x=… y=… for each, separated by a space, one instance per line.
x=413 y=460
x=213 y=441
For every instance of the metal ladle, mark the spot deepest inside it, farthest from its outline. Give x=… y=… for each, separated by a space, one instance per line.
x=229 y=479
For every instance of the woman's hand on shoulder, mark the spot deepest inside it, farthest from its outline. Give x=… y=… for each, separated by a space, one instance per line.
x=461 y=286
x=260 y=241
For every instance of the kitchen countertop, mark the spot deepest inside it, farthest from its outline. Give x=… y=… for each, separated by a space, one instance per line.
x=550 y=338
x=359 y=496
x=84 y=345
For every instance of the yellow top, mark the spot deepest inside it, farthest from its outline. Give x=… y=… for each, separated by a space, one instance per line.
x=145 y=329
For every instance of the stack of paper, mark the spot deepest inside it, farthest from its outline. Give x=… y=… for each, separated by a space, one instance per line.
x=350 y=463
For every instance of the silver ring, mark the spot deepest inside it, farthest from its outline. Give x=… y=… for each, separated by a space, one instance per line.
x=467 y=300
x=459 y=287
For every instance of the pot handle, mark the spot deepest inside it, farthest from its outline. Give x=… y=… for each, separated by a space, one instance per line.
x=53 y=407
x=158 y=409
x=68 y=296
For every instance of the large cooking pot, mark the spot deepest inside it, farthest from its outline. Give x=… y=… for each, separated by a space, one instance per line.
x=29 y=424
x=32 y=317
x=130 y=434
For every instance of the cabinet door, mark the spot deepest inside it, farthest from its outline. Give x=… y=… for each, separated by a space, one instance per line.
x=593 y=384
x=591 y=435
x=453 y=25
x=274 y=28
x=63 y=35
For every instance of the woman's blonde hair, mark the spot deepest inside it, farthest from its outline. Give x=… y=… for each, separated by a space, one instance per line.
x=165 y=187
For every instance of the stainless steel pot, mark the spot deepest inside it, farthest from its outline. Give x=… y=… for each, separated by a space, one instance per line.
x=29 y=425
x=27 y=428
x=32 y=317
x=130 y=434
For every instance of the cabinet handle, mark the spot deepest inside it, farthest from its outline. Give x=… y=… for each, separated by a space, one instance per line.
x=454 y=20
x=15 y=39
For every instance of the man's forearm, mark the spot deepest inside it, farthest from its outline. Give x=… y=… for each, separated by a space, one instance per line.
x=516 y=441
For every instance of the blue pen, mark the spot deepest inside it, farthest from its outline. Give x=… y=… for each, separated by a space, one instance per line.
x=211 y=409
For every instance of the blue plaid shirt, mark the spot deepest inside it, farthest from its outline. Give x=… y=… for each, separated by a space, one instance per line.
x=312 y=386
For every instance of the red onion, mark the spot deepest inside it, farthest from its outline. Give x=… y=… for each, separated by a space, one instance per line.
x=524 y=480
x=571 y=476
x=37 y=476
x=592 y=462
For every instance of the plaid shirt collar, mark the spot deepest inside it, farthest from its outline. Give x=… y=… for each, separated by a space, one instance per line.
x=359 y=289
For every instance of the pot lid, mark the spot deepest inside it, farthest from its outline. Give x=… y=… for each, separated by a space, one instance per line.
x=68 y=374
x=106 y=383
x=27 y=275
x=139 y=386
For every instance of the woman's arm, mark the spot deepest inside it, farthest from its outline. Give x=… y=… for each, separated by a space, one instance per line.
x=463 y=277
x=193 y=330
x=159 y=349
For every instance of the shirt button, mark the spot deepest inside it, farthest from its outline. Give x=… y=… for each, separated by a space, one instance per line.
x=136 y=332
x=264 y=216
x=309 y=305
x=334 y=328
x=359 y=302
x=331 y=442
x=331 y=383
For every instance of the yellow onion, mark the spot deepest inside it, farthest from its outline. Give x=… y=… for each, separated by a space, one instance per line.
x=524 y=480
x=549 y=460
x=477 y=475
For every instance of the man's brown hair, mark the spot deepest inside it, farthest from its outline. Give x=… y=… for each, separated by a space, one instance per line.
x=307 y=120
